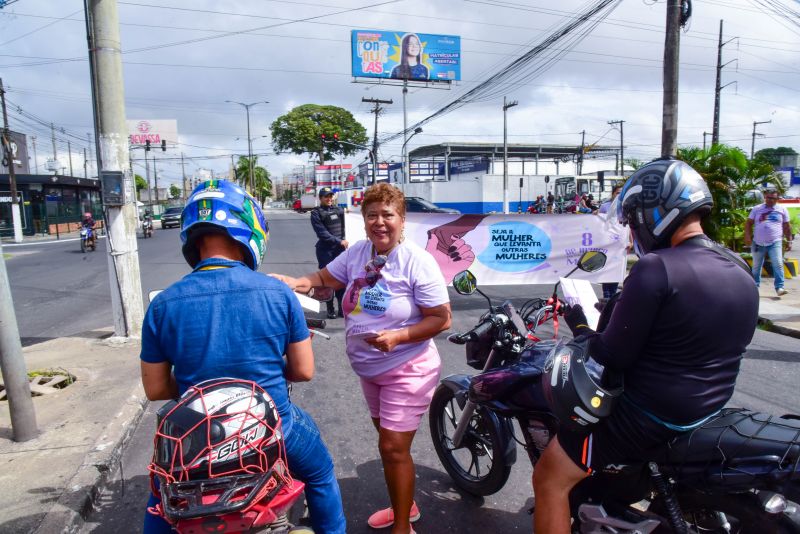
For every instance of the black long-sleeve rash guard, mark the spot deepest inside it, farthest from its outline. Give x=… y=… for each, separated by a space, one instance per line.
x=678 y=332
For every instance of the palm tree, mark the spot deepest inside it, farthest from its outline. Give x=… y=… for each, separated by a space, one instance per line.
x=263 y=184
x=731 y=178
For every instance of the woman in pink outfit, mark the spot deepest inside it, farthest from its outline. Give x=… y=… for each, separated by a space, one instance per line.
x=395 y=303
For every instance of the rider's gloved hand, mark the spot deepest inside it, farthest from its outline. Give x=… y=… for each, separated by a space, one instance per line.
x=576 y=320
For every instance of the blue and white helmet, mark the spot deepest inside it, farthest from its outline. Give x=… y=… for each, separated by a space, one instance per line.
x=657 y=198
x=220 y=206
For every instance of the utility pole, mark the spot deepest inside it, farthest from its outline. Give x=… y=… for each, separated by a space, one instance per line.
x=86 y=165
x=405 y=131
x=12 y=365
x=755 y=134
x=672 y=40
x=147 y=176
x=69 y=150
x=704 y=140
x=35 y=158
x=183 y=173
x=621 y=147
x=719 y=87
x=583 y=148
x=89 y=141
x=155 y=176
x=377 y=111
x=55 y=153
x=506 y=105
x=8 y=156
x=108 y=96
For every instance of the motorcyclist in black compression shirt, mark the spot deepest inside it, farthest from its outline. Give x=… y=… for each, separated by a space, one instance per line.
x=677 y=334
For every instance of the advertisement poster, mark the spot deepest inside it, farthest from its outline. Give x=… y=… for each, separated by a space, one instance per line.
x=513 y=249
x=403 y=55
x=155 y=131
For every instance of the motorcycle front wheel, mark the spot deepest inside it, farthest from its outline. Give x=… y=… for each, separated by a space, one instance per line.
x=83 y=246
x=478 y=466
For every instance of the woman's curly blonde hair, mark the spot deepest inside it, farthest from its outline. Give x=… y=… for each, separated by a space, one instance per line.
x=385 y=194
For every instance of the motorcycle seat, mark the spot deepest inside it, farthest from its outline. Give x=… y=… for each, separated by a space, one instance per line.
x=739 y=443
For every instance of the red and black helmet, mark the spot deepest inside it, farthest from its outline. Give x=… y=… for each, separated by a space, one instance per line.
x=219 y=449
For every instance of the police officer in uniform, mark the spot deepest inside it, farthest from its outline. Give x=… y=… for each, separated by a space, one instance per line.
x=328 y=222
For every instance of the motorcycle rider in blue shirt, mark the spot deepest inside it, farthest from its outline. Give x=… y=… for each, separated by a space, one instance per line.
x=225 y=319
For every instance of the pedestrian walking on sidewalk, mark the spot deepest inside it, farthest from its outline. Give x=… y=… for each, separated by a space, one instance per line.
x=764 y=230
x=327 y=219
x=225 y=319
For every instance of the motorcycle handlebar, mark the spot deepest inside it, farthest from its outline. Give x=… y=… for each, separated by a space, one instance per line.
x=473 y=335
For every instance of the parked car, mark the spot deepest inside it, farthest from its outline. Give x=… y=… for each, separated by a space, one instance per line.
x=420 y=205
x=171 y=217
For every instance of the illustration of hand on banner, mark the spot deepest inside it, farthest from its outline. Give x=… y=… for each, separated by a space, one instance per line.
x=458 y=256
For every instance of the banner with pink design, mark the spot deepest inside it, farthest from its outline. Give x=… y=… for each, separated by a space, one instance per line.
x=513 y=249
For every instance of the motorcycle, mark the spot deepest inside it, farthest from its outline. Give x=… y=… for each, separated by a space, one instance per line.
x=738 y=472
x=147 y=227
x=88 y=239
x=256 y=502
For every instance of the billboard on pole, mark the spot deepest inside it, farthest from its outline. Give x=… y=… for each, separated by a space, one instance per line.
x=154 y=131
x=403 y=55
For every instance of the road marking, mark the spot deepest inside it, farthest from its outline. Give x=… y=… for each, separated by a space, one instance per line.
x=9 y=245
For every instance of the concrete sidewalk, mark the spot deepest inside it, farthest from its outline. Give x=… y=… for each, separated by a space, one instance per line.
x=49 y=483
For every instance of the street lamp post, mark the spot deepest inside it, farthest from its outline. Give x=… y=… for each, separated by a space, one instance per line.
x=505 y=153
x=249 y=139
x=406 y=164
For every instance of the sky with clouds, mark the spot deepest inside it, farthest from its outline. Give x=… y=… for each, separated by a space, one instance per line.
x=297 y=52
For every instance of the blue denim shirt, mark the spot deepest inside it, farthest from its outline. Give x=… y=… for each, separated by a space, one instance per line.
x=225 y=320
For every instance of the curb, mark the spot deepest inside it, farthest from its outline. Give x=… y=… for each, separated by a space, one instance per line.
x=74 y=505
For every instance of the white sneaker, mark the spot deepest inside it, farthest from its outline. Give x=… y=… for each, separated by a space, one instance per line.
x=781 y=292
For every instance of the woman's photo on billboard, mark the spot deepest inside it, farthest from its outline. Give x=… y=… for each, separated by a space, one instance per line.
x=410 y=67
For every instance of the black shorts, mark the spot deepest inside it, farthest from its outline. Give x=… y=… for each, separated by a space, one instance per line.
x=625 y=437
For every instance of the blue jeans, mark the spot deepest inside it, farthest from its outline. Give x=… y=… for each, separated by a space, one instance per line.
x=775 y=253
x=310 y=462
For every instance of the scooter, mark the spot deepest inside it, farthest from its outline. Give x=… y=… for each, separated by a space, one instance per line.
x=147 y=227
x=88 y=239
x=739 y=472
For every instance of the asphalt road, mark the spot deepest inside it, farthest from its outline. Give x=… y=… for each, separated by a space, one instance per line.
x=58 y=291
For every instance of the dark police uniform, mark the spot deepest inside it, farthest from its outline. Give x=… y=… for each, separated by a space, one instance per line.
x=328 y=223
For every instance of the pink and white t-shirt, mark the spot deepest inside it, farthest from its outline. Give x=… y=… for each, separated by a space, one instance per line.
x=768 y=223
x=410 y=279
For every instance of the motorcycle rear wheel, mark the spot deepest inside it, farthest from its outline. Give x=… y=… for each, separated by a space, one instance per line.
x=481 y=442
x=742 y=510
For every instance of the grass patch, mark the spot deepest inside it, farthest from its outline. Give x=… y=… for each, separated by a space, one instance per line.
x=46 y=374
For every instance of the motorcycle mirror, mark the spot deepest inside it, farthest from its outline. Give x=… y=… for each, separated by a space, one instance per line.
x=153 y=294
x=592 y=261
x=465 y=283
x=322 y=294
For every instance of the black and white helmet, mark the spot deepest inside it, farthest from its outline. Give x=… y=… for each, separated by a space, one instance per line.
x=657 y=198
x=578 y=390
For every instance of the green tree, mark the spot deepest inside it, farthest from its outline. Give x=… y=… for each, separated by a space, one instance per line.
x=300 y=131
x=261 y=177
x=141 y=183
x=772 y=155
x=730 y=177
x=634 y=163
x=174 y=191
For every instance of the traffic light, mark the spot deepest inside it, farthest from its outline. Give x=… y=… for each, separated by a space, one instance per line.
x=147 y=146
x=163 y=145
